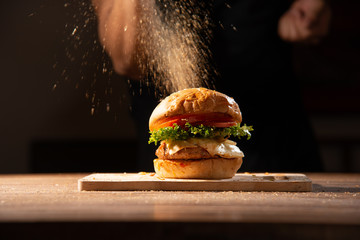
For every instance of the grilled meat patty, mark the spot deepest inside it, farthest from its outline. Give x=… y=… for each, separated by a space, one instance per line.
x=186 y=153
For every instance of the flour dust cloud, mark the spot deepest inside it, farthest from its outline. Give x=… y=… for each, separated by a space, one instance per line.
x=173 y=39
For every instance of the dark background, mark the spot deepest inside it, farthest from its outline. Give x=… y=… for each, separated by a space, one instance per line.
x=62 y=109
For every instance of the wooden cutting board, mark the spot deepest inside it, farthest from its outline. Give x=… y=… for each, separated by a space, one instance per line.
x=281 y=182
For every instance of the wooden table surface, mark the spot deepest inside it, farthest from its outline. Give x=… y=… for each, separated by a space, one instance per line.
x=55 y=198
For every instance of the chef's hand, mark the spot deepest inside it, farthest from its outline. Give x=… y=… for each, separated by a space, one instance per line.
x=307 y=21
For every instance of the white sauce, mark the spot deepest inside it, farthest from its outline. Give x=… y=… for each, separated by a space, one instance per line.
x=222 y=148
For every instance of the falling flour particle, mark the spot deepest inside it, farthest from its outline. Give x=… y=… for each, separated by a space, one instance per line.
x=74 y=31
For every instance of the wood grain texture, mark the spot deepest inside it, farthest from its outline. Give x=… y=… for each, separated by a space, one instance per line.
x=280 y=182
x=335 y=199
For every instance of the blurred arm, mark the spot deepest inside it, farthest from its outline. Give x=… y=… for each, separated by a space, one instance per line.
x=307 y=21
x=117 y=32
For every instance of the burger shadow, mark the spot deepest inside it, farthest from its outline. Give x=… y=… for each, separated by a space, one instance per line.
x=322 y=188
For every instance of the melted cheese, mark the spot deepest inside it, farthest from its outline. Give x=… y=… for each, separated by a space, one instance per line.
x=222 y=148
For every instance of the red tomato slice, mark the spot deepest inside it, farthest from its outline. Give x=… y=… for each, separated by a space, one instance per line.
x=170 y=123
x=220 y=120
x=220 y=124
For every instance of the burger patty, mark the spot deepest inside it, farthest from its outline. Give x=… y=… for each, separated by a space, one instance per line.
x=186 y=153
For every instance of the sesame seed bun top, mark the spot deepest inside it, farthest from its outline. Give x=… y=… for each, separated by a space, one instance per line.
x=194 y=101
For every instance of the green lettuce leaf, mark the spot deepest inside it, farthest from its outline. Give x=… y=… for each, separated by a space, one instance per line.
x=177 y=133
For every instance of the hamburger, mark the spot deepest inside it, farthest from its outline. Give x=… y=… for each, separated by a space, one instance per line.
x=193 y=127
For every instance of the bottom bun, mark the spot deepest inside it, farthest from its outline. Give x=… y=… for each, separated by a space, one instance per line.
x=213 y=168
